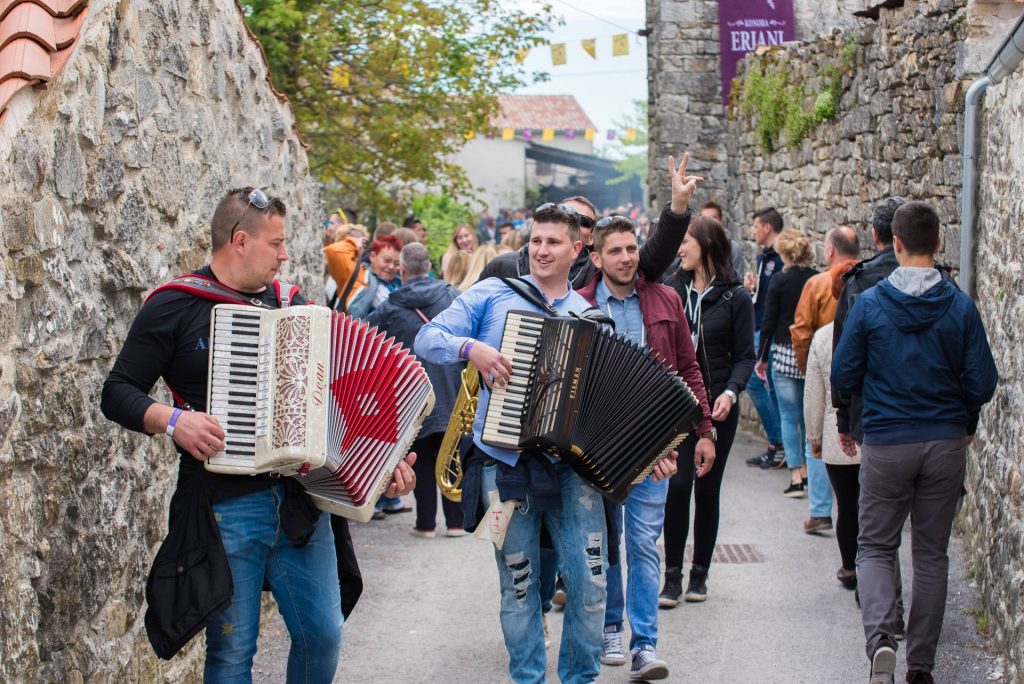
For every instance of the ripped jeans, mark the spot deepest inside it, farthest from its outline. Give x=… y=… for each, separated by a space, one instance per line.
x=578 y=534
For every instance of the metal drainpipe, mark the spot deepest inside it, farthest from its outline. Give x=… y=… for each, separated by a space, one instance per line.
x=1003 y=63
x=969 y=182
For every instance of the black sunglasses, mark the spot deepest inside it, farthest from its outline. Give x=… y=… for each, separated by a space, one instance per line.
x=603 y=223
x=258 y=199
x=584 y=221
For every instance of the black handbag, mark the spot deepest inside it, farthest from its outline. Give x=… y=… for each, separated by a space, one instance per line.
x=190 y=579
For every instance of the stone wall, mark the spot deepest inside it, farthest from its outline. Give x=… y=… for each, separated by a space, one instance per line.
x=995 y=510
x=107 y=181
x=896 y=131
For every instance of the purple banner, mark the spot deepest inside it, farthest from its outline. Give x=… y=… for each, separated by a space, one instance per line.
x=745 y=24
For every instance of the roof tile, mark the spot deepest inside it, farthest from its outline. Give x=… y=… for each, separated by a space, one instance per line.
x=561 y=112
x=36 y=37
x=28 y=20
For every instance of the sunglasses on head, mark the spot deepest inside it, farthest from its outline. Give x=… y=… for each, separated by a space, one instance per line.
x=603 y=223
x=584 y=221
x=258 y=199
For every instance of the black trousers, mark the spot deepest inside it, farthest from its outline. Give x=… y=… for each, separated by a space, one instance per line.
x=846 y=485
x=706 y=494
x=426 y=448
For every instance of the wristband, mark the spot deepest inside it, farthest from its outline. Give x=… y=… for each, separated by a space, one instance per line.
x=464 y=352
x=172 y=421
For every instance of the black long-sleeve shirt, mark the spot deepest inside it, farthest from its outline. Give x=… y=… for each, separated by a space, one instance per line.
x=170 y=339
x=783 y=296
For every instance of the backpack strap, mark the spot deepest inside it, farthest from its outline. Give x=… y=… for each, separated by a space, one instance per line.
x=422 y=315
x=286 y=293
x=341 y=305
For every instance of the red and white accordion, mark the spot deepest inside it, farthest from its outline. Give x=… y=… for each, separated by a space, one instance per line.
x=317 y=395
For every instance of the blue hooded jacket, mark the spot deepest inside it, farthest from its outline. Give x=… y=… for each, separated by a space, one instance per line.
x=921 y=362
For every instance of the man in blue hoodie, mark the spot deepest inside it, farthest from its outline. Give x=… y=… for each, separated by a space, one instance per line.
x=915 y=349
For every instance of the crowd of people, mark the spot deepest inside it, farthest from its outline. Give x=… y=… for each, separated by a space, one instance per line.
x=868 y=378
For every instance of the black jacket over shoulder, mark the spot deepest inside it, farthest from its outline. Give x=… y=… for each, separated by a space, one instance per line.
x=725 y=334
x=783 y=296
x=656 y=254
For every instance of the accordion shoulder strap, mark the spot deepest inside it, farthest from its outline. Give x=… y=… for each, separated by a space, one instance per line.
x=528 y=291
x=208 y=288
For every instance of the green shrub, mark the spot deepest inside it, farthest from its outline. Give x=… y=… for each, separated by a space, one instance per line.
x=440 y=214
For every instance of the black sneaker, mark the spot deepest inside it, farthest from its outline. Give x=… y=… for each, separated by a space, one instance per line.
x=759 y=461
x=795 y=490
x=697 y=589
x=669 y=597
x=900 y=629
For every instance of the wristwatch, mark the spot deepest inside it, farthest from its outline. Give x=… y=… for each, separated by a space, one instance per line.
x=711 y=434
x=732 y=395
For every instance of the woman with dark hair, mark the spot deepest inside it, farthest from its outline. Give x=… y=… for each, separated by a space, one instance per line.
x=720 y=315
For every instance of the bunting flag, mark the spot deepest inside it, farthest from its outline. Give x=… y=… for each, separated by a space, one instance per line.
x=340 y=77
x=590 y=47
x=588 y=134
x=548 y=134
x=558 y=54
x=527 y=134
x=620 y=45
x=521 y=55
x=569 y=134
x=611 y=134
x=469 y=135
x=508 y=134
x=630 y=135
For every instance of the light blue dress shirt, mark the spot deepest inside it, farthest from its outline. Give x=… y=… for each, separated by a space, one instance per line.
x=479 y=314
x=629 y=319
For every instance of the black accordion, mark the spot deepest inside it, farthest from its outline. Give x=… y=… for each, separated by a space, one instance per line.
x=605 y=404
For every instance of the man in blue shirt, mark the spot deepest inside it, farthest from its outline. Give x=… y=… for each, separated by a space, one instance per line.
x=471 y=329
x=914 y=348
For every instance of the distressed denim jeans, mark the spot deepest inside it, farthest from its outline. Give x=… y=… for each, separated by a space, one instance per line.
x=304 y=581
x=765 y=401
x=644 y=517
x=790 y=392
x=578 y=534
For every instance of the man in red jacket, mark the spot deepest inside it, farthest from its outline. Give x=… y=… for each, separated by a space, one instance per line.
x=650 y=314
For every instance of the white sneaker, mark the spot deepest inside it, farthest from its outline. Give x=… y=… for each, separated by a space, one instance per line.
x=547 y=633
x=425 y=534
x=611 y=647
x=455 y=532
x=646 y=665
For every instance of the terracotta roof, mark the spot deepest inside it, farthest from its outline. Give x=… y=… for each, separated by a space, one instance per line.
x=561 y=112
x=36 y=37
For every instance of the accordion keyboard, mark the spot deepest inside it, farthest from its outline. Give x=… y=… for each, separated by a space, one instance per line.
x=507 y=407
x=239 y=382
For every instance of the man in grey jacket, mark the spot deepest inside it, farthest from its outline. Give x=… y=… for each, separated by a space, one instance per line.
x=402 y=315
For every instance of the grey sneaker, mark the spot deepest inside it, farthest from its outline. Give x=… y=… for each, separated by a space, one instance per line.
x=646 y=665
x=883 y=663
x=611 y=646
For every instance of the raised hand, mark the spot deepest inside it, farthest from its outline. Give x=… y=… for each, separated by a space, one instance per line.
x=683 y=186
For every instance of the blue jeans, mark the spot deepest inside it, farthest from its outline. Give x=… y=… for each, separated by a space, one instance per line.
x=790 y=392
x=765 y=400
x=304 y=582
x=578 y=534
x=645 y=515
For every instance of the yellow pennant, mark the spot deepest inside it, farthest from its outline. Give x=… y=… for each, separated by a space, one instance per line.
x=508 y=134
x=548 y=134
x=620 y=45
x=590 y=47
x=589 y=134
x=521 y=55
x=469 y=135
x=558 y=54
x=630 y=135
x=340 y=77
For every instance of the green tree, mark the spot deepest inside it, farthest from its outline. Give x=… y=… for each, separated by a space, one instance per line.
x=633 y=154
x=385 y=91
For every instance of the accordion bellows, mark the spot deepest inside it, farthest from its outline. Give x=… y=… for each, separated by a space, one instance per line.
x=317 y=395
x=607 y=405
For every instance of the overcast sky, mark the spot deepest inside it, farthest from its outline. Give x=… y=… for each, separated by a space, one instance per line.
x=605 y=87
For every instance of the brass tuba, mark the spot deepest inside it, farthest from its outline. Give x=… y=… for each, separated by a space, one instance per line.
x=448 y=469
